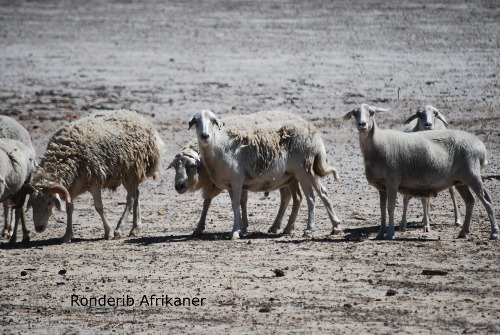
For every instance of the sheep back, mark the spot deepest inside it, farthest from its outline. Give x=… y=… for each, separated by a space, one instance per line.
x=105 y=147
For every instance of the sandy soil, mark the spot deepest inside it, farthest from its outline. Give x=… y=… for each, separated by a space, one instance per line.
x=60 y=60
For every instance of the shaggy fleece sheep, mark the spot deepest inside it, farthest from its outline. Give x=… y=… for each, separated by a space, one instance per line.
x=105 y=149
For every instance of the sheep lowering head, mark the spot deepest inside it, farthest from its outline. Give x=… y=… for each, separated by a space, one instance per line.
x=102 y=150
x=260 y=157
x=421 y=164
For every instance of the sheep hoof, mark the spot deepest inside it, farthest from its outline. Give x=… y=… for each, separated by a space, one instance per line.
x=197 y=232
x=235 y=236
x=6 y=234
x=427 y=229
x=26 y=238
x=402 y=226
x=134 y=232
x=380 y=236
x=67 y=238
x=336 y=231
x=288 y=232
x=272 y=230
x=308 y=233
x=462 y=234
x=458 y=224
x=494 y=236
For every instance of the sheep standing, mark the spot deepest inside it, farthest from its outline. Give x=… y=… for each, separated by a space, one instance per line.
x=426 y=118
x=11 y=129
x=264 y=157
x=103 y=150
x=191 y=175
x=421 y=164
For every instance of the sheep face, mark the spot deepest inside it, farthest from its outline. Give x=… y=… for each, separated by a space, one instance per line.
x=427 y=117
x=43 y=203
x=204 y=121
x=186 y=173
x=362 y=117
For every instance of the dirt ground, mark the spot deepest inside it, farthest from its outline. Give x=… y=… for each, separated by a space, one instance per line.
x=60 y=60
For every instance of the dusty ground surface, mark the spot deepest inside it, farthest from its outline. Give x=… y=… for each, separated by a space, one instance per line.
x=60 y=60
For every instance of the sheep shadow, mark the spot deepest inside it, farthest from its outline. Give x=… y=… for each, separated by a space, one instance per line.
x=44 y=243
x=217 y=236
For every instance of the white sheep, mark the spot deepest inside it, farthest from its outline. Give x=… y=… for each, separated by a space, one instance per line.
x=426 y=118
x=264 y=157
x=11 y=129
x=17 y=163
x=105 y=149
x=421 y=164
x=191 y=175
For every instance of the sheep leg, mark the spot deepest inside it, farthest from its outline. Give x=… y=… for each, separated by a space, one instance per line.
x=26 y=231
x=236 y=200
x=96 y=194
x=137 y=222
x=244 y=213
x=7 y=214
x=455 y=207
x=485 y=198
x=391 y=206
x=201 y=223
x=404 y=222
x=425 y=219
x=323 y=195
x=383 y=214
x=297 y=199
x=284 y=201
x=126 y=212
x=68 y=235
x=466 y=194
x=309 y=194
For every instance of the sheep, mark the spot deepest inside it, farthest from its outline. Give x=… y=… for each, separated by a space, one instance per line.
x=421 y=164
x=17 y=163
x=264 y=157
x=191 y=175
x=426 y=118
x=105 y=149
x=11 y=129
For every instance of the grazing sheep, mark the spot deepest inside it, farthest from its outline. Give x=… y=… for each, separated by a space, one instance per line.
x=11 y=129
x=426 y=118
x=17 y=163
x=421 y=164
x=102 y=150
x=264 y=157
x=191 y=175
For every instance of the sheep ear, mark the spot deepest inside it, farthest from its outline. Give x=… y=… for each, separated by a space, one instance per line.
x=373 y=110
x=58 y=203
x=217 y=122
x=440 y=117
x=192 y=122
x=171 y=165
x=349 y=115
x=411 y=118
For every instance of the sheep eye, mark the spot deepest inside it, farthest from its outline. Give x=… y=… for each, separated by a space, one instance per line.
x=49 y=203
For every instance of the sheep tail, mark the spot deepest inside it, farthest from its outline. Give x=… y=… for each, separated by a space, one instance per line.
x=322 y=169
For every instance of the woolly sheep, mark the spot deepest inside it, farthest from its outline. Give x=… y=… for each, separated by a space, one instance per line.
x=264 y=157
x=11 y=129
x=421 y=164
x=191 y=175
x=105 y=149
x=426 y=118
x=17 y=163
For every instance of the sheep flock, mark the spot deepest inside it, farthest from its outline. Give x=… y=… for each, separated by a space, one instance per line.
x=260 y=152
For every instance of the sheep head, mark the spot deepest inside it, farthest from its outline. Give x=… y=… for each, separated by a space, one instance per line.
x=187 y=168
x=43 y=199
x=427 y=117
x=362 y=116
x=204 y=121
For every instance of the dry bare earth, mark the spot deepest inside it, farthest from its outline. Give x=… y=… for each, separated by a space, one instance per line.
x=60 y=60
